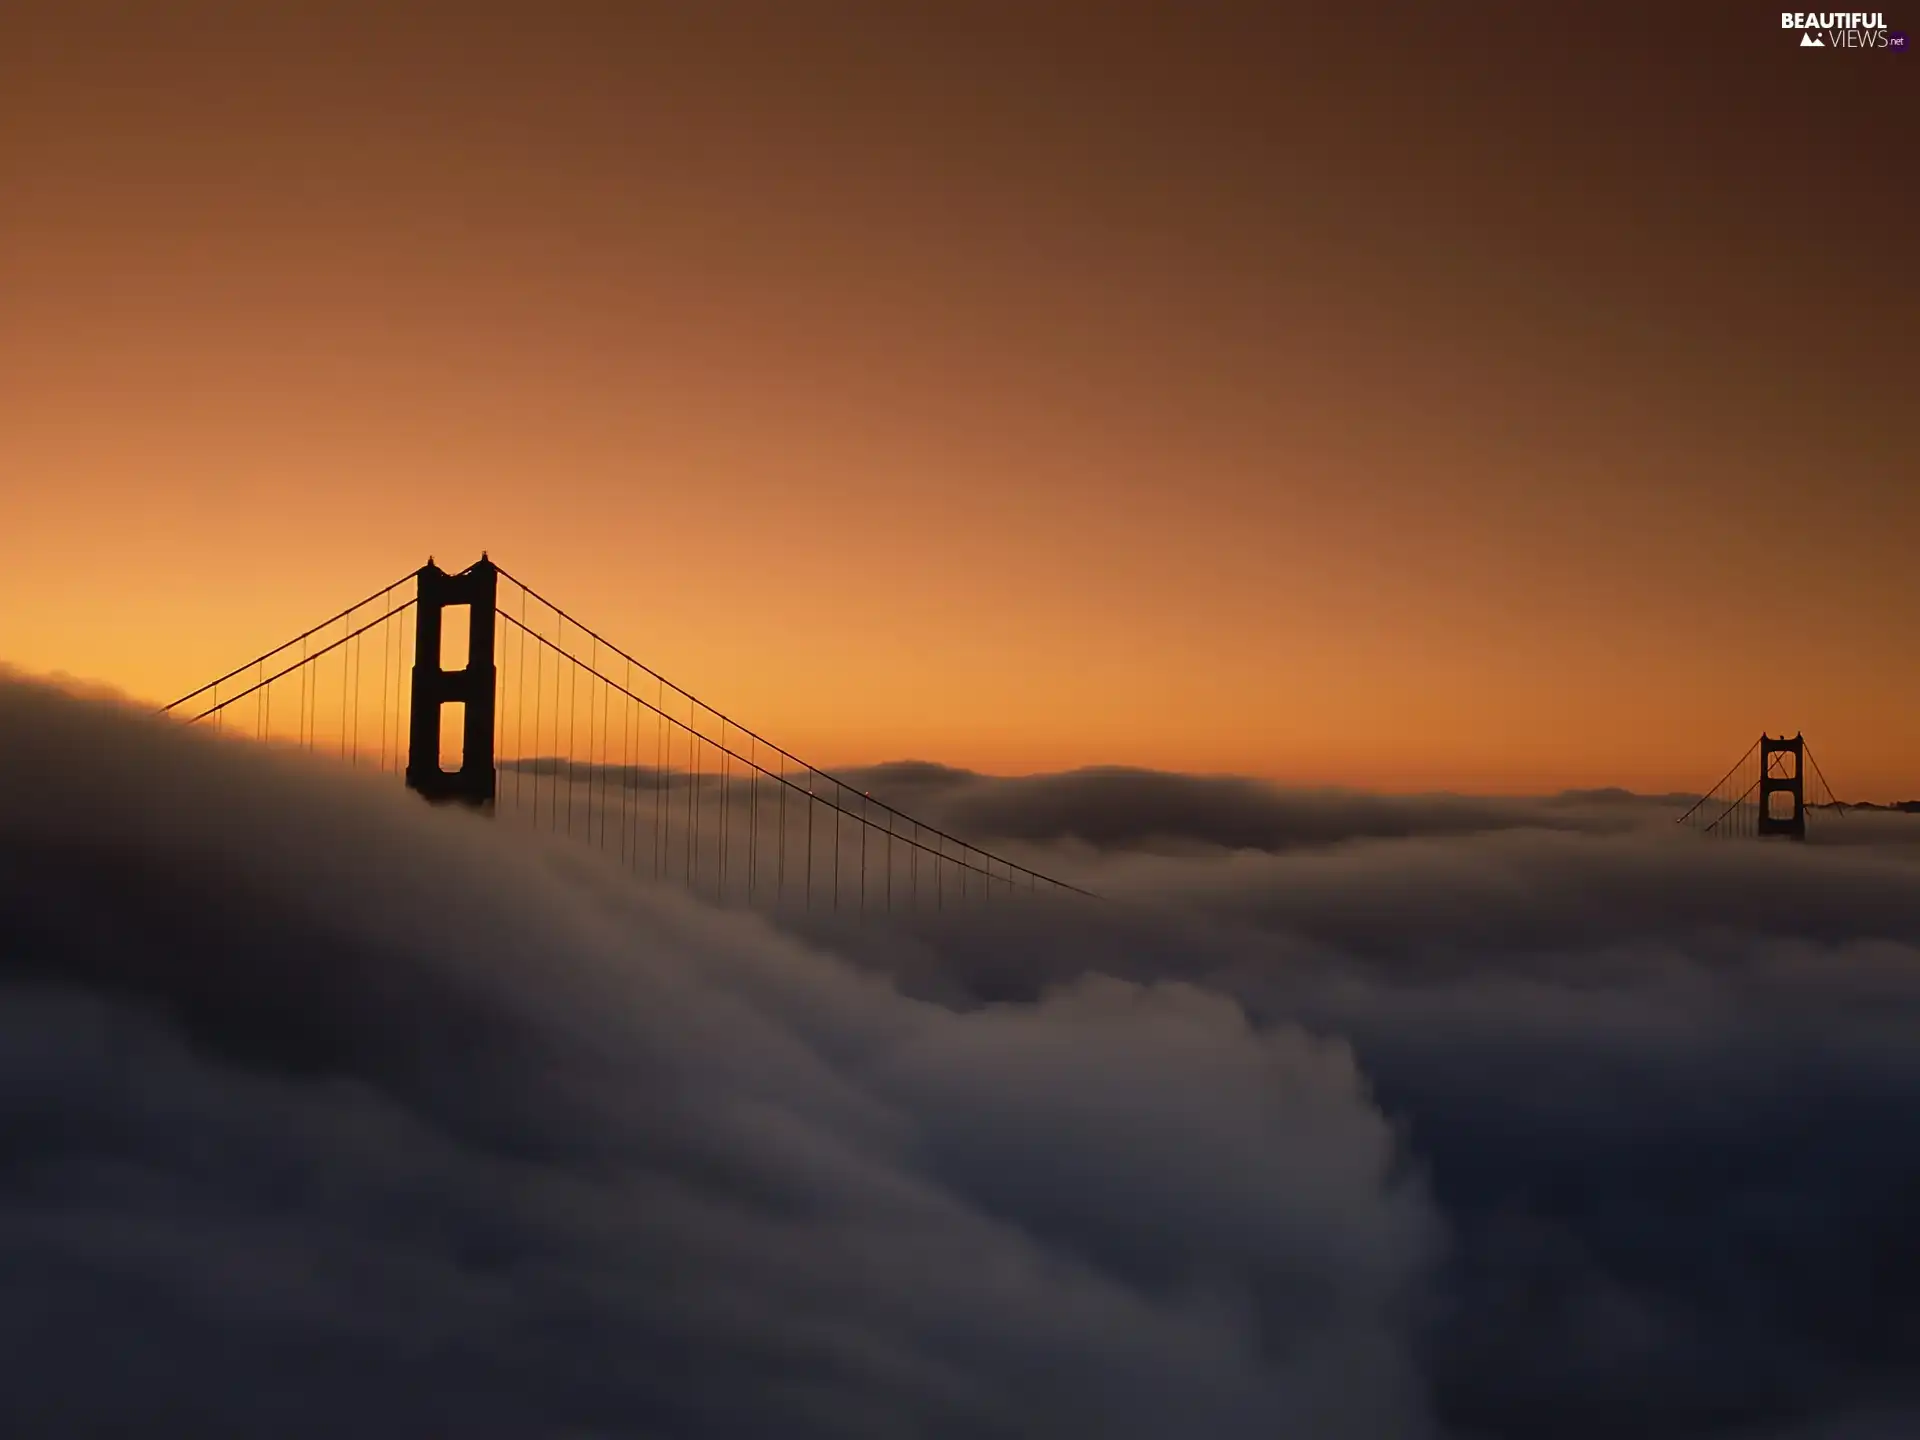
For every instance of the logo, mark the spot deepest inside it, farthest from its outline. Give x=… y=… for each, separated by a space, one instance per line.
x=1842 y=30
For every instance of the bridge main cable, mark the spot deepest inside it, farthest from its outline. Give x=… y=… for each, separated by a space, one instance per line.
x=892 y=811
x=1732 y=770
x=817 y=797
x=288 y=644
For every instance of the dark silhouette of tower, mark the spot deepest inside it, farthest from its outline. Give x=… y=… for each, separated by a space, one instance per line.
x=473 y=688
x=1775 y=780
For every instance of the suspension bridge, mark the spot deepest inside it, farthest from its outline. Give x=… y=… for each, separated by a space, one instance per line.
x=476 y=689
x=1766 y=793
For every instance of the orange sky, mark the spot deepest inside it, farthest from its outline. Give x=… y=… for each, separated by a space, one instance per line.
x=1381 y=399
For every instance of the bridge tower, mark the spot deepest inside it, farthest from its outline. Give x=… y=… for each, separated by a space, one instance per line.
x=435 y=687
x=1793 y=825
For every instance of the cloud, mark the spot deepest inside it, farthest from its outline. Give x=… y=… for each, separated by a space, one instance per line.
x=333 y=1113
x=1114 y=808
x=419 y=1124
x=1657 y=1086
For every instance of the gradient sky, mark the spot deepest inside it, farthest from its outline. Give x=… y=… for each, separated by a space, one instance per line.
x=1500 y=398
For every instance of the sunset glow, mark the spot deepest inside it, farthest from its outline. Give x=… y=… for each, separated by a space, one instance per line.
x=1458 y=414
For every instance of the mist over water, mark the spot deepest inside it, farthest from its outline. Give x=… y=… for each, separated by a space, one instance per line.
x=328 y=1112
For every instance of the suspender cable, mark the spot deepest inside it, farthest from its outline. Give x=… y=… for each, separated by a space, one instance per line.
x=753 y=815
x=693 y=804
x=573 y=724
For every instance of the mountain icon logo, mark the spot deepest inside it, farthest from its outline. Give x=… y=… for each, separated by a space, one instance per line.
x=1810 y=41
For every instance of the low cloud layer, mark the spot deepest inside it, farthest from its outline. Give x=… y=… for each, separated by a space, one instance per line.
x=1114 y=808
x=332 y=1113
x=1663 y=1092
